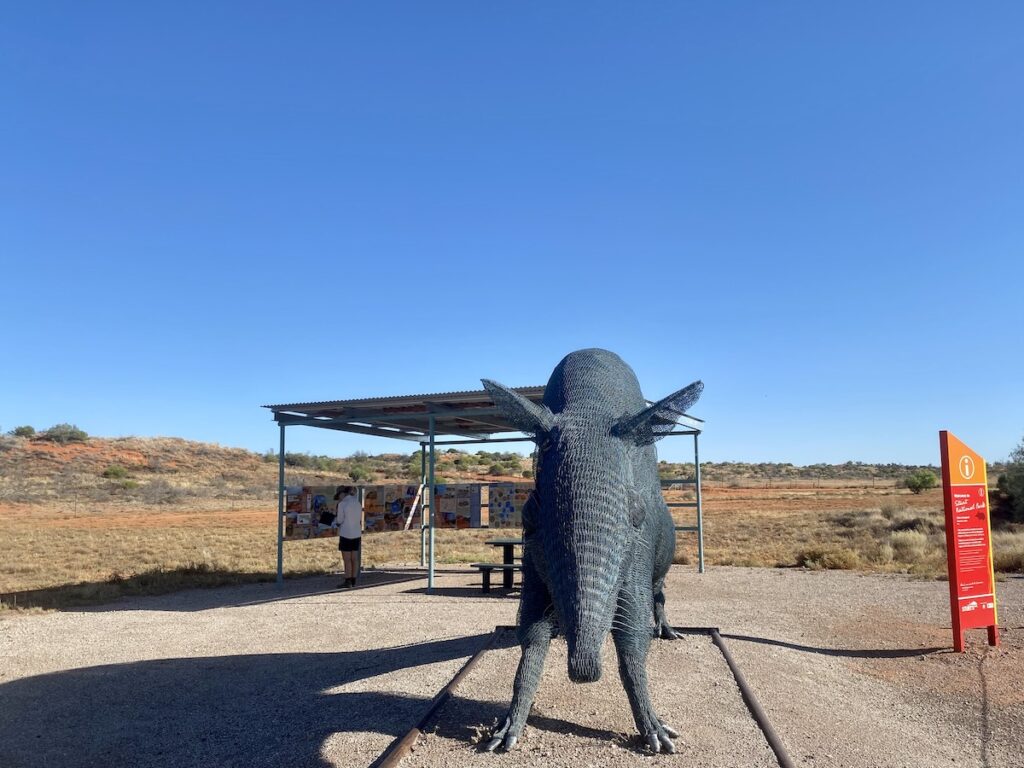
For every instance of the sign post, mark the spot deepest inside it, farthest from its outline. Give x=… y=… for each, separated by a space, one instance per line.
x=972 y=594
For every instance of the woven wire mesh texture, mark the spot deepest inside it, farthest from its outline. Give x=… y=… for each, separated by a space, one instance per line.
x=599 y=538
x=600 y=528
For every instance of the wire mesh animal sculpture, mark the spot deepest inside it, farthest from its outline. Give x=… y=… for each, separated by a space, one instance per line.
x=598 y=536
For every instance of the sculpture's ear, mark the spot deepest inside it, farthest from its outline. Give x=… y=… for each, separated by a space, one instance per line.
x=525 y=415
x=655 y=421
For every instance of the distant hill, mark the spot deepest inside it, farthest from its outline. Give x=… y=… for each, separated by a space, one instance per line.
x=169 y=470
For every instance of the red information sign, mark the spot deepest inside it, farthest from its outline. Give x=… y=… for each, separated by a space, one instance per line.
x=972 y=593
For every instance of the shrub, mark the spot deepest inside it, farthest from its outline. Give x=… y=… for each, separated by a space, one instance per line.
x=115 y=472
x=909 y=523
x=25 y=431
x=358 y=473
x=890 y=510
x=909 y=546
x=921 y=480
x=1008 y=551
x=884 y=554
x=833 y=558
x=1012 y=482
x=160 y=491
x=528 y=474
x=496 y=469
x=65 y=433
x=412 y=470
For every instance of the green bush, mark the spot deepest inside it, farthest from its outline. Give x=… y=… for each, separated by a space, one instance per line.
x=358 y=473
x=528 y=474
x=115 y=472
x=65 y=433
x=1012 y=482
x=921 y=480
x=25 y=431
x=496 y=469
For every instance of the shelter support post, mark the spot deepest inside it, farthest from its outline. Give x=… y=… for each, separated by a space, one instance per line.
x=433 y=516
x=700 y=508
x=423 y=502
x=280 y=510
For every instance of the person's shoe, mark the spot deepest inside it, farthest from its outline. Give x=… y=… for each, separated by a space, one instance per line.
x=350 y=582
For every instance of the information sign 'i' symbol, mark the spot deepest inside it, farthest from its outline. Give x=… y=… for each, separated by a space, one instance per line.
x=967 y=467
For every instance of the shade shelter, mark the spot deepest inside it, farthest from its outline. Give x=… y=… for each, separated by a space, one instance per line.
x=461 y=418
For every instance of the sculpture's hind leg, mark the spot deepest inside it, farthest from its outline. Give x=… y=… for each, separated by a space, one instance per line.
x=536 y=628
x=662 y=626
x=632 y=641
x=664 y=553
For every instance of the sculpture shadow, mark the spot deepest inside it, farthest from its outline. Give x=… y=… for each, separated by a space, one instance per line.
x=250 y=710
x=852 y=653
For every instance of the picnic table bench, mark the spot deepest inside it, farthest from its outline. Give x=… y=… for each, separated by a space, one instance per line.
x=507 y=570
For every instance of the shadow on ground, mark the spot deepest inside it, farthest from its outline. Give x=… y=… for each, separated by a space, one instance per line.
x=255 y=710
x=496 y=593
x=185 y=589
x=853 y=653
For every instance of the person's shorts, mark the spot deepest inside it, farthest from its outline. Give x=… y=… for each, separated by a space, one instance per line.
x=348 y=545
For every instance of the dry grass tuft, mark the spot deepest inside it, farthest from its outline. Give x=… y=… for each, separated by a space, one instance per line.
x=828 y=558
x=1008 y=551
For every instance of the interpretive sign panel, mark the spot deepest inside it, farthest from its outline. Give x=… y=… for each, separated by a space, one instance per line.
x=972 y=598
x=310 y=512
x=458 y=506
x=387 y=507
x=506 y=502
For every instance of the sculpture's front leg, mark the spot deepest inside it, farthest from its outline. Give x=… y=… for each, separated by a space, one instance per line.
x=536 y=627
x=632 y=638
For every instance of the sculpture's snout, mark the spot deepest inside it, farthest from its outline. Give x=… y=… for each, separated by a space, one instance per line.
x=584 y=665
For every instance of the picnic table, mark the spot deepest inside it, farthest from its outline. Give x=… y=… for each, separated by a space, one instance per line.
x=508 y=546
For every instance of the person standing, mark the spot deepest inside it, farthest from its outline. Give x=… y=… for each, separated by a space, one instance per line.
x=350 y=528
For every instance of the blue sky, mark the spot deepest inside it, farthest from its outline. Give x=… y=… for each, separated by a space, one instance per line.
x=816 y=209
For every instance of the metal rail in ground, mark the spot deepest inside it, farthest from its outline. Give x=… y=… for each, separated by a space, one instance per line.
x=402 y=746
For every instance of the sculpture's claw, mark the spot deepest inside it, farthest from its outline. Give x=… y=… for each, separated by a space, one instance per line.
x=660 y=740
x=652 y=742
x=665 y=632
x=502 y=737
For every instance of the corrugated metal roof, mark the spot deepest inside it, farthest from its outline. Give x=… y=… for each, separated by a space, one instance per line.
x=469 y=414
x=471 y=395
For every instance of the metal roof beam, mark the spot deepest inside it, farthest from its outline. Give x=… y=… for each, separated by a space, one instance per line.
x=342 y=426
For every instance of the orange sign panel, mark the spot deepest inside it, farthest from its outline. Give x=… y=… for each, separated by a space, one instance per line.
x=972 y=598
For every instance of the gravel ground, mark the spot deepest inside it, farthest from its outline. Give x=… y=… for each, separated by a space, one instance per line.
x=853 y=670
